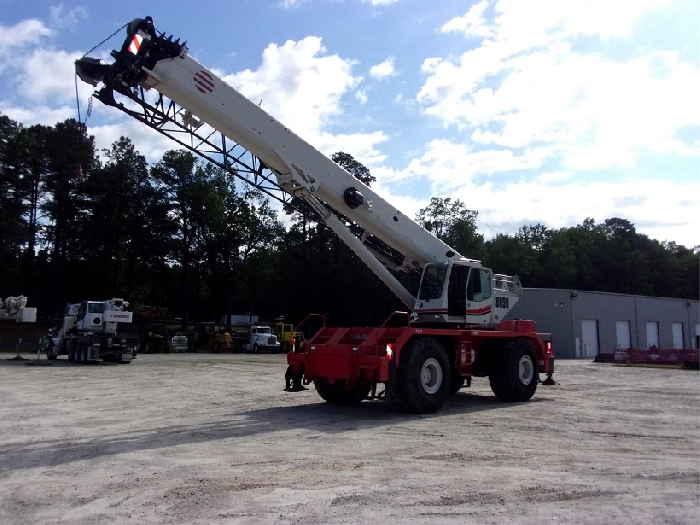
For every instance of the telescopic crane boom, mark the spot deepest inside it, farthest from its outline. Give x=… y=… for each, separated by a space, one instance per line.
x=453 y=289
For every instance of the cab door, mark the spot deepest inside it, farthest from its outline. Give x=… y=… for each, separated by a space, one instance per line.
x=478 y=309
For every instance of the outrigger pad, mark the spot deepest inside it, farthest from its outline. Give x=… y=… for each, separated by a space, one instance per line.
x=549 y=381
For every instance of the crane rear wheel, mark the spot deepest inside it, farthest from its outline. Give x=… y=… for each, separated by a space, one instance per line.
x=515 y=371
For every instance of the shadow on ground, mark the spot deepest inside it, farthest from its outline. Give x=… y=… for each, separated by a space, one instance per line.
x=316 y=417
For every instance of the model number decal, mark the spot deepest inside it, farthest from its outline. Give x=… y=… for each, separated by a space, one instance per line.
x=501 y=302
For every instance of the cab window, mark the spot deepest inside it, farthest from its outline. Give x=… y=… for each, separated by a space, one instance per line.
x=96 y=308
x=432 y=282
x=479 y=285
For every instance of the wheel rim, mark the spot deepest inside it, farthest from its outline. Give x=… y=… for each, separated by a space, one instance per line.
x=431 y=376
x=526 y=370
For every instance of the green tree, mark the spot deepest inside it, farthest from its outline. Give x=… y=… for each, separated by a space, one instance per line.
x=128 y=225
x=559 y=264
x=353 y=167
x=70 y=155
x=14 y=233
x=537 y=236
x=176 y=176
x=451 y=222
x=512 y=256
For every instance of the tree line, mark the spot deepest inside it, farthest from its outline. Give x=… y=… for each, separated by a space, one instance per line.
x=186 y=235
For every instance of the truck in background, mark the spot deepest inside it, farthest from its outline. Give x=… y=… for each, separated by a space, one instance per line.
x=249 y=334
x=286 y=334
x=179 y=343
x=89 y=333
x=261 y=339
x=293 y=338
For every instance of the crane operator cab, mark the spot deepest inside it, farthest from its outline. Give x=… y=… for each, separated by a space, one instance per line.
x=464 y=292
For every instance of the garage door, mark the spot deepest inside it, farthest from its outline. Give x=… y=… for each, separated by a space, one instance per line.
x=589 y=331
x=622 y=330
x=677 y=333
x=652 y=334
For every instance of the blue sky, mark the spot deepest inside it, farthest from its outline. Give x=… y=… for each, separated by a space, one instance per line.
x=540 y=111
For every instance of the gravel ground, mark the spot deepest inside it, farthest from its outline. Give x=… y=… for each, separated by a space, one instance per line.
x=198 y=438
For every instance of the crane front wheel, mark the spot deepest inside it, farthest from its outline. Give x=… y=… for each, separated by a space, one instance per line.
x=423 y=377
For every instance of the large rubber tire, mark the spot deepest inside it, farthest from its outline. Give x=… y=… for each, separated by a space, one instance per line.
x=337 y=394
x=422 y=378
x=515 y=374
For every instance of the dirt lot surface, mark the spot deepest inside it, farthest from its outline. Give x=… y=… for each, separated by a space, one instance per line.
x=196 y=438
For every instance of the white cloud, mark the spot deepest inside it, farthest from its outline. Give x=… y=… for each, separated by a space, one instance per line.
x=383 y=70
x=67 y=18
x=525 y=25
x=297 y=82
x=473 y=23
x=37 y=113
x=48 y=74
x=41 y=78
x=553 y=176
x=380 y=2
x=147 y=141
x=525 y=84
x=569 y=203
x=303 y=87
x=362 y=146
x=288 y=4
x=449 y=165
x=14 y=40
x=361 y=96
x=449 y=170
x=25 y=33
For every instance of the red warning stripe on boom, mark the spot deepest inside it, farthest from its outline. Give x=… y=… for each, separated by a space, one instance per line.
x=203 y=81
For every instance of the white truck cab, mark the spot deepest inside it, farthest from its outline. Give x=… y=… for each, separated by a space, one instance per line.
x=261 y=338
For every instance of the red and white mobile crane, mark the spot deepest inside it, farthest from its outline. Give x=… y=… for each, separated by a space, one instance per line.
x=456 y=328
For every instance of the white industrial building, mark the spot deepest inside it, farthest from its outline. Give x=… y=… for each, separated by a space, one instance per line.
x=585 y=324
